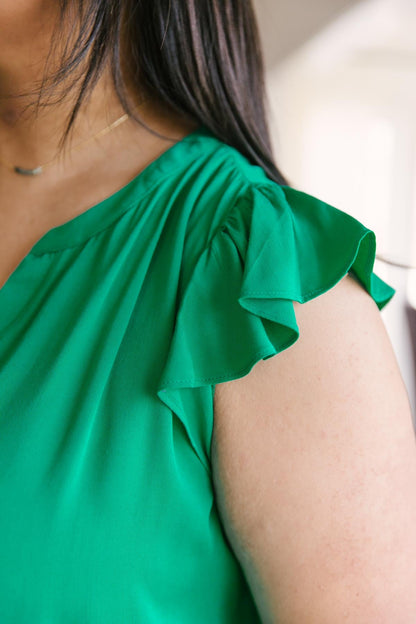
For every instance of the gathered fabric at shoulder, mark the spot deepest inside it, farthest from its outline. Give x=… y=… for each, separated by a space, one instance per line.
x=277 y=245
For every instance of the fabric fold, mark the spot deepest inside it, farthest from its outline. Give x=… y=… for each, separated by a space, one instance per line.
x=277 y=245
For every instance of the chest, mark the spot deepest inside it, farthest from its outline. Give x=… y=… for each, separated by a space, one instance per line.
x=29 y=211
x=108 y=511
x=16 y=244
x=21 y=226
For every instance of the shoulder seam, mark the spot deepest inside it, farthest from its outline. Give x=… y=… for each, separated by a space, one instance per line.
x=250 y=184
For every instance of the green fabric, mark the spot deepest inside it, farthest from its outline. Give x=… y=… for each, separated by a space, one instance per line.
x=114 y=330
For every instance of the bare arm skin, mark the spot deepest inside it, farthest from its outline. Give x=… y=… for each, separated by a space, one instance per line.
x=314 y=467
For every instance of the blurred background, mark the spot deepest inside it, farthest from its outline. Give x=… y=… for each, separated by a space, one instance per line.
x=341 y=82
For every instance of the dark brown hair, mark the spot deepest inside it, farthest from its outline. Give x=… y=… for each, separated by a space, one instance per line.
x=200 y=58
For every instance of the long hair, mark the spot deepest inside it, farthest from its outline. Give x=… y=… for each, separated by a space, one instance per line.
x=200 y=58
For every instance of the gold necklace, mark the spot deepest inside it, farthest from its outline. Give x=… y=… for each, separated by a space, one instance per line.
x=40 y=168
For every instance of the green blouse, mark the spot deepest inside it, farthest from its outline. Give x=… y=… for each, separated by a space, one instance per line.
x=114 y=330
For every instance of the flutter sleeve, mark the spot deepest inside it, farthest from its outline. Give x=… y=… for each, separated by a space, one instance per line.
x=277 y=245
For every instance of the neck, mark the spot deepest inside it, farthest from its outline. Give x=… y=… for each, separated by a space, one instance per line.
x=27 y=140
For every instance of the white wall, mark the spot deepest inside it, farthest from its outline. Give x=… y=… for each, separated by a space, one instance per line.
x=344 y=129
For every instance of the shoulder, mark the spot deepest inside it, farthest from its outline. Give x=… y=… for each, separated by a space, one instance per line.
x=314 y=468
x=220 y=181
x=343 y=347
x=251 y=249
x=217 y=183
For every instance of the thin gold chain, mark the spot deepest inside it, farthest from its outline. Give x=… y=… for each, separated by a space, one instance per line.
x=40 y=168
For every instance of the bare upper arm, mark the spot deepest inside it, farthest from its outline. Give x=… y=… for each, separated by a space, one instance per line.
x=314 y=467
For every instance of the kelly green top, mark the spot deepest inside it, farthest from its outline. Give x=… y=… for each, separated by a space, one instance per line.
x=114 y=330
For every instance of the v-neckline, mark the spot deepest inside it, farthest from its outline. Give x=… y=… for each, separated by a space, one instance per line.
x=83 y=226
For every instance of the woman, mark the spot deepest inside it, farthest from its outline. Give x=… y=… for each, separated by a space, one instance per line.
x=164 y=456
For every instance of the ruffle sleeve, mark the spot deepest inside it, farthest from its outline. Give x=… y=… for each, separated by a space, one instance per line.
x=277 y=245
